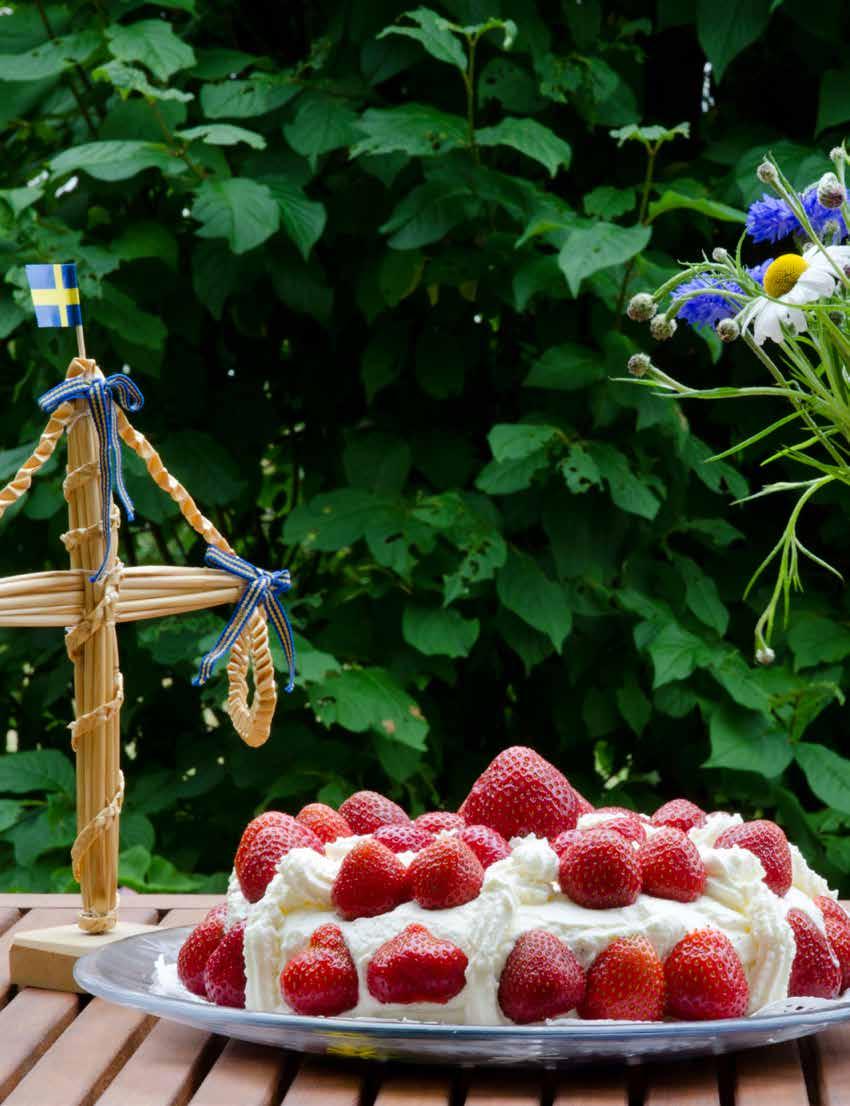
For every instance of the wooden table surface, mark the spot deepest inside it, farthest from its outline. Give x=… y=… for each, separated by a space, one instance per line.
x=70 y=1050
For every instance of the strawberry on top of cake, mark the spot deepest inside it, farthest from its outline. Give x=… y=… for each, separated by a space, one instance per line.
x=527 y=905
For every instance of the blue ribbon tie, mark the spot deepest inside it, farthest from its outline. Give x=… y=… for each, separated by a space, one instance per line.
x=102 y=395
x=264 y=588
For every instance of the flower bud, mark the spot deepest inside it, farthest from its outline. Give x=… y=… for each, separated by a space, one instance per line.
x=767 y=174
x=639 y=364
x=831 y=192
x=661 y=328
x=719 y=253
x=837 y=154
x=641 y=307
x=728 y=330
x=765 y=656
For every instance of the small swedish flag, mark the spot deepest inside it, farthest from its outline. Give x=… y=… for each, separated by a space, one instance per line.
x=55 y=294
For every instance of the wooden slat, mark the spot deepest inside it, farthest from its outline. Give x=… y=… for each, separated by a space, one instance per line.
x=505 y=1088
x=321 y=1082
x=29 y=1025
x=833 y=1067
x=415 y=1087
x=593 y=1087
x=244 y=1075
x=185 y=916
x=35 y=919
x=8 y=916
x=128 y=899
x=770 y=1076
x=683 y=1083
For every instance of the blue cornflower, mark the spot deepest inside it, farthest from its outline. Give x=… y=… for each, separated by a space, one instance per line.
x=711 y=306
x=771 y=219
x=820 y=217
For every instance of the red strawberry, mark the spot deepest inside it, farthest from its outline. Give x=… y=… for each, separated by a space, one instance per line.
x=582 y=805
x=267 y=818
x=541 y=979
x=705 y=978
x=521 y=793
x=671 y=866
x=565 y=839
x=815 y=971
x=257 y=861
x=197 y=948
x=371 y=880
x=600 y=870
x=403 y=838
x=446 y=873
x=622 y=821
x=321 y=980
x=626 y=982
x=224 y=975
x=488 y=845
x=767 y=841
x=366 y=810
x=415 y=966
x=435 y=820
x=682 y=814
x=837 y=925
x=327 y=824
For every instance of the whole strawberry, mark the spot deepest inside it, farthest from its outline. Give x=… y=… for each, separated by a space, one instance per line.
x=625 y=982
x=415 y=966
x=563 y=840
x=371 y=880
x=446 y=873
x=327 y=824
x=521 y=793
x=321 y=980
x=600 y=870
x=671 y=867
x=267 y=818
x=815 y=971
x=436 y=820
x=224 y=975
x=625 y=822
x=407 y=838
x=681 y=814
x=488 y=845
x=366 y=810
x=768 y=842
x=258 y=858
x=837 y=925
x=705 y=978
x=197 y=948
x=541 y=979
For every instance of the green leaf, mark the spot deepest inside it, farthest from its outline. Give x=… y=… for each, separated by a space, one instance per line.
x=675 y=653
x=303 y=219
x=413 y=129
x=530 y=138
x=428 y=212
x=153 y=43
x=606 y=202
x=205 y=465
x=588 y=250
x=816 y=640
x=514 y=441
x=36 y=770
x=378 y=461
x=634 y=705
x=337 y=519
x=136 y=830
x=223 y=134
x=178 y=639
x=628 y=491
x=119 y=313
x=507 y=477
x=726 y=27
x=370 y=699
x=111 y=161
x=746 y=685
x=833 y=105
x=49 y=59
x=321 y=124
x=240 y=210
x=146 y=238
x=127 y=79
x=744 y=741
x=257 y=95
x=827 y=774
x=10 y=812
x=633 y=132
x=435 y=35
x=702 y=596
x=580 y=471
x=524 y=588
x=671 y=200
x=566 y=368
x=436 y=631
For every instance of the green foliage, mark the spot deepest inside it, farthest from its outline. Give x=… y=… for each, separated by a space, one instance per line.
x=368 y=265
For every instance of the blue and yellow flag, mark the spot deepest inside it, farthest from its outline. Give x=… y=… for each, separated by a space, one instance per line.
x=55 y=294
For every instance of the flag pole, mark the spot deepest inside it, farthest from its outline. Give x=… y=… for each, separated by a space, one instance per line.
x=81 y=342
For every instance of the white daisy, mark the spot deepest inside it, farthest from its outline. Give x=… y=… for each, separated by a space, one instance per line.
x=793 y=280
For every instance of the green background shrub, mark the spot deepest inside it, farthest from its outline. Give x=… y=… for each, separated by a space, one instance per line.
x=372 y=291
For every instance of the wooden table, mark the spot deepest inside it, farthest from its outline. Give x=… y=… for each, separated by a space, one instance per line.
x=69 y=1050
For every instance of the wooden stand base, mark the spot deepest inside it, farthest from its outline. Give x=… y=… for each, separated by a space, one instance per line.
x=46 y=957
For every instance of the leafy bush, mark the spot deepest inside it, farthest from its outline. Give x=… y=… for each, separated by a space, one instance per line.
x=369 y=269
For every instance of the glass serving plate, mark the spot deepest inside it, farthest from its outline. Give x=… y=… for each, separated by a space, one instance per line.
x=123 y=973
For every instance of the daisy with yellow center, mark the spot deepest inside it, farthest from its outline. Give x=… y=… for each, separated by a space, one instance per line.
x=790 y=281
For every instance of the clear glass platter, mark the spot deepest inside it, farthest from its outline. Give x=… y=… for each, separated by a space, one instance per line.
x=123 y=973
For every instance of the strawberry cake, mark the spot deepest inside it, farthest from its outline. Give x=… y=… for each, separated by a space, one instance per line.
x=527 y=905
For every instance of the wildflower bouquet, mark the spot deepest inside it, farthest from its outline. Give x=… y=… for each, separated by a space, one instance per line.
x=793 y=312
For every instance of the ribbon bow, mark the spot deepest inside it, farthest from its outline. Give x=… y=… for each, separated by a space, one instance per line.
x=263 y=588
x=102 y=395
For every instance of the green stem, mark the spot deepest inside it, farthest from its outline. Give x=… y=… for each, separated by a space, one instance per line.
x=469 y=85
x=651 y=154
x=84 y=111
x=172 y=143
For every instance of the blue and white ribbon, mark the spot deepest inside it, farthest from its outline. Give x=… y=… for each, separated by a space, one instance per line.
x=263 y=588
x=102 y=395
